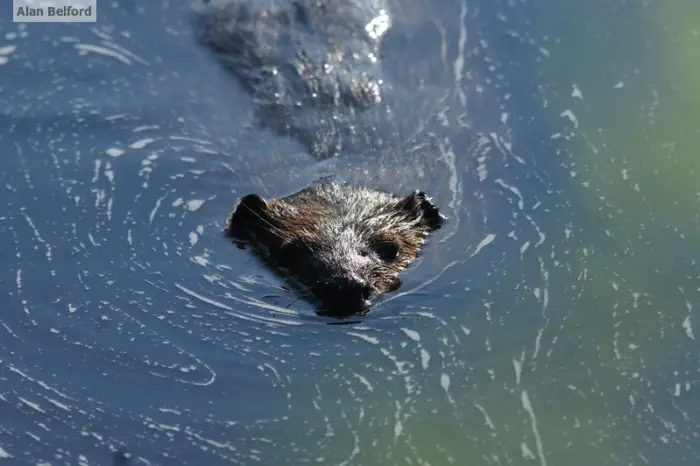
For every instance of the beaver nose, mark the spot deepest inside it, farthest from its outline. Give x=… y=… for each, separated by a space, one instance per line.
x=364 y=292
x=346 y=297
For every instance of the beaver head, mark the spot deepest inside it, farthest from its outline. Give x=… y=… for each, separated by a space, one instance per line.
x=345 y=245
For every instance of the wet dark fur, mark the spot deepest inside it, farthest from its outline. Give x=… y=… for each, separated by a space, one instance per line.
x=311 y=66
x=345 y=245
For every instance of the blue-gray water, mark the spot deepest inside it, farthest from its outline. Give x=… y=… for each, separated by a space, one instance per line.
x=550 y=323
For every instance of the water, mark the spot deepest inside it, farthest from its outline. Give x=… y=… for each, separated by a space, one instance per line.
x=551 y=322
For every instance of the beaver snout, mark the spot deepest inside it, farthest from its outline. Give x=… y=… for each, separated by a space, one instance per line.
x=344 y=297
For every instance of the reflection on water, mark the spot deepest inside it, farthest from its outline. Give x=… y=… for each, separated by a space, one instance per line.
x=551 y=323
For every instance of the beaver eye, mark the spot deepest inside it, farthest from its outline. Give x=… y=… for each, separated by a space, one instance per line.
x=292 y=251
x=386 y=250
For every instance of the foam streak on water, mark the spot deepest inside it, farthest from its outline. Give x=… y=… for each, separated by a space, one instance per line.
x=527 y=405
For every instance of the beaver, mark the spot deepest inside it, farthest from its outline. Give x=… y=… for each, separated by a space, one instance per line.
x=342 y=244
x=313 y=71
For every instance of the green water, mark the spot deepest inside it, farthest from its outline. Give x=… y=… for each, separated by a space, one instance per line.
x=614 y=382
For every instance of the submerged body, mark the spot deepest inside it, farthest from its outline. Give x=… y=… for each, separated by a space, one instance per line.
x=344 y=245
x=311 y=66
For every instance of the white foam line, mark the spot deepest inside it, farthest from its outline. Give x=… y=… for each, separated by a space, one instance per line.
x=484 y=242
x=487 y=419
x=367 y=338
x=84 y=48
x=234 y=313
x=37 y=235
x=459 y=61
x=155 y=209
x=525 y=399
x=43 y=385
x=422 y=285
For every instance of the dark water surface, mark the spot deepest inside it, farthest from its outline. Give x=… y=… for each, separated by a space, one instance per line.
x=550 y=323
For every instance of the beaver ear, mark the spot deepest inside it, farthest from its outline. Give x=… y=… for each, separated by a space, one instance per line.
x=420 y=205
x=247 y=213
